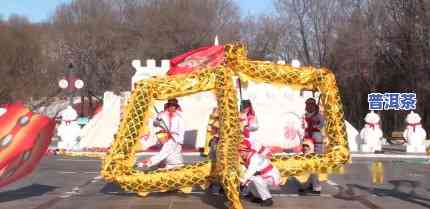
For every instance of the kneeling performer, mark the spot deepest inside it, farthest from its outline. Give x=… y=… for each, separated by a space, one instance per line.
x=260 y=174
x=171 y=136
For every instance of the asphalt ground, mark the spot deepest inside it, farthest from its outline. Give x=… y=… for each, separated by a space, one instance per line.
x=75 y=183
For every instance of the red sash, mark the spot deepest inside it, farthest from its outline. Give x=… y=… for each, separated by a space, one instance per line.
x=248 y=158
x=310 y=129
x=372 y=125
x=414 y=125
x=266 y=169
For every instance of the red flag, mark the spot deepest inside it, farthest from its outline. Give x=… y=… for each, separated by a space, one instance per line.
x=196 y=59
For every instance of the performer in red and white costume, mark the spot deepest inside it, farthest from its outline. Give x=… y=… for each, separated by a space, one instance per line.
x=314 y=123
x=171 y=136
x=313 y=140
x=249 y=124
x=248 y=119
x=214 y=129
x=257 y=147
x=259 y=175
x=313 y=184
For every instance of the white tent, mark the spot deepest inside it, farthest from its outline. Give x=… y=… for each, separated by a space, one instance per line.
x=99 y=132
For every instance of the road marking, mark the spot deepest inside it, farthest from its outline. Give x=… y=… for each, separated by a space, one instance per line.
x=96 y=179
x=170 y=204
x=67 y=172
x=65 y=196
x=332 y=183
x=92 y=172
x=74 y=172
x=78 y=160
x=71 y=193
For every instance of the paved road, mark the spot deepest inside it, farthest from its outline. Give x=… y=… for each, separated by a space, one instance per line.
x=74 y=183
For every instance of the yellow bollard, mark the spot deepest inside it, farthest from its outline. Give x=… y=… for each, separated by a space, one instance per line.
x=377 y=170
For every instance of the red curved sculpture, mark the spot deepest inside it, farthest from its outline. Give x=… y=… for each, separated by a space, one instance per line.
x=24 y=139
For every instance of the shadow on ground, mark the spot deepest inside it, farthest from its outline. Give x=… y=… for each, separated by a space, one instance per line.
x=410 y=196
x=26 y=192
x=216 y=201
x=115 y=189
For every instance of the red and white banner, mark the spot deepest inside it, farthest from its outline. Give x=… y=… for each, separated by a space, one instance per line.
x=196 y=59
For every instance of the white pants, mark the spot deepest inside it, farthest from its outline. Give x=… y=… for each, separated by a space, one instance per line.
x=314 y=181
x=170 y=166
x=259 y=185
x=170 y=155
x=416 y=148
x=175 y=159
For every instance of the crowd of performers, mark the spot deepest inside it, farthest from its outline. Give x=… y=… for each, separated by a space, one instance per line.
x=259 y=175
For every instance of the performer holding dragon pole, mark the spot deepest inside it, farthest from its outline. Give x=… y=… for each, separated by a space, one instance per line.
x=171 y=136
x=247 y=118
x=314 y=123
x=249 y=124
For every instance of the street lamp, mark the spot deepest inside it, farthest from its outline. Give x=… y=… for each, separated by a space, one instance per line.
x=71 y=83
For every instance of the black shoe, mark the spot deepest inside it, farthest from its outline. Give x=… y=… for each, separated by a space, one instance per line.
x=316 y=193
x=247 y=196
x=255 y=199
x=221 y=191
x=302 y=191
x=267 y=203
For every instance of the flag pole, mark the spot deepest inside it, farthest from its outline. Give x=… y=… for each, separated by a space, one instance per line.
x=162 y=121
x=240 y=89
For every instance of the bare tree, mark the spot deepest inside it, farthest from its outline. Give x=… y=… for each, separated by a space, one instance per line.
x=263 y=35
x=311 y=24
x=87 y=34
x=165 y=28
x=23 y=67
x=102 y=36
x=405 y=39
